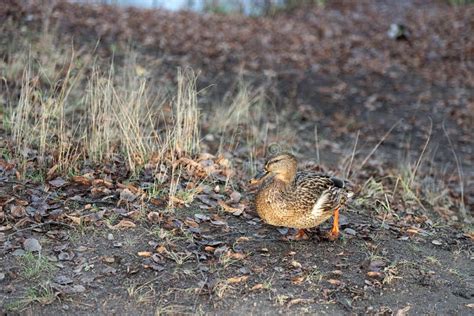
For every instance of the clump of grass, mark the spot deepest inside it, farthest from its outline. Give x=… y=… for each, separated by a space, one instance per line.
x=34 y=265
x=185 y=136
x=43 y=294
x=375 y=195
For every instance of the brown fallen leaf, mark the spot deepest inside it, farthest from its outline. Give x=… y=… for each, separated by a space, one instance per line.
x=235 y=255
x=296 y=264
x=334 y=282
x=242 y=238
x=144 y=254
x=375 y=274
x=256 y=287
x=299 y=301
x=470 y=235
x=298 y=280
x=130 y=187
x=4 y=228
x=239 y=279
x=209 y=249
x=176 y=200
x=5 y=165
x=17 y=211
x=82 y=180
x=75 y=219
x=124 y=223
x=161 y=249
x=102 y=182
x=191 y=223
x=413 y=231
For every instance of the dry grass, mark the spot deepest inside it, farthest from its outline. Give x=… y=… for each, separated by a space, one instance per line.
x=59 y=120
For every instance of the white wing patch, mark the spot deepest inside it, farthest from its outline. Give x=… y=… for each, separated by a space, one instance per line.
x=318 y=207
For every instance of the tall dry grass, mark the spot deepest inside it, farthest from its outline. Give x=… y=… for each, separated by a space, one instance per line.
x=97 y=116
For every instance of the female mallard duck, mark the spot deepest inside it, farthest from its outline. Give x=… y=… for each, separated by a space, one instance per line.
x=298 y=199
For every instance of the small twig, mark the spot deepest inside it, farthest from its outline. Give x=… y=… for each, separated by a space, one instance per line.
x=378 y=144
x=462 y=207
x=27 y=185
x=348 y=173
x=421 y=155
x=37 y=226
x=316 y=138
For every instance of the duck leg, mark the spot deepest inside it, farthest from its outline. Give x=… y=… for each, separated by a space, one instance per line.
x=334 y=233
x=300 y=235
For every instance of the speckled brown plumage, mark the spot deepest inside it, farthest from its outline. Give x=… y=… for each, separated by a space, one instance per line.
x=297 y=199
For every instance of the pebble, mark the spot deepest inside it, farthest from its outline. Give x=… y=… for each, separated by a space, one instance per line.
x=31 y=245
x=350 y=231
x=110 y=236
x=18 y=252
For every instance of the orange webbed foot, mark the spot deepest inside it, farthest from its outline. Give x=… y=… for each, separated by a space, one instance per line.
x=334 y=233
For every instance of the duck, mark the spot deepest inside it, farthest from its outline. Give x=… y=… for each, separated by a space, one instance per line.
x=298 y=199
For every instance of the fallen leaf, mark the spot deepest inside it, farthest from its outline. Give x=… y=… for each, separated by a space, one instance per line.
x=375 y=274
x=209 y=249
x=108 y=259
x=403 y=311
x=102 y=182
x=299 y=301
x=17 y=211
x=296 y=264
x=161 y=249
x=298 y=280
x=235 y=255
x=335 y=282
x=75 y=219
x=191 y=223
x=412 y=230
x=82 y=180
x=239 y=279
x=257 y=286
x=124 y=223
x=242 y=238
x=5 y=228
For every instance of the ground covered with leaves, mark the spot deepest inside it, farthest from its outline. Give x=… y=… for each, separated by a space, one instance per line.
x=128 y=138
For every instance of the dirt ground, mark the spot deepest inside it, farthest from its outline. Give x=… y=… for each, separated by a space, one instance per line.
x=416 y=258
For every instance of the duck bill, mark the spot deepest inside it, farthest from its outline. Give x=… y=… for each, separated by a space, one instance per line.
x=259 y=177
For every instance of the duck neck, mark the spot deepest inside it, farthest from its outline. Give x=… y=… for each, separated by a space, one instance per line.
x=283 y=181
